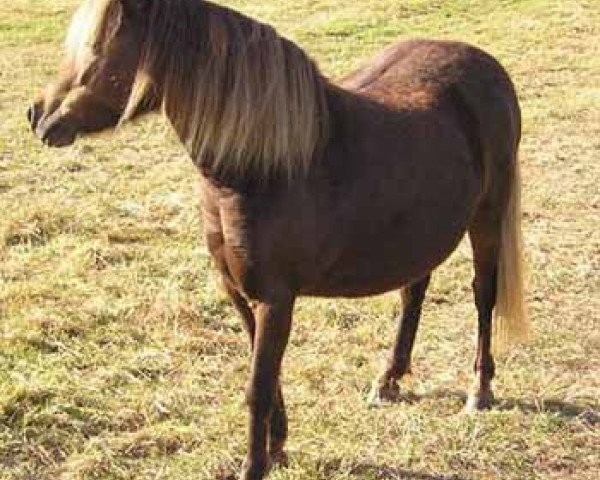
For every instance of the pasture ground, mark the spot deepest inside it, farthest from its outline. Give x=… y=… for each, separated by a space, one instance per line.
x=120 y=359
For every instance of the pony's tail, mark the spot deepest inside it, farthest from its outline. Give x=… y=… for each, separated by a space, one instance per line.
x=511 y=323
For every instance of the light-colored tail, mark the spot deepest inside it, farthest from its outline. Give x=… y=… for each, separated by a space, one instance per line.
x=511 y=323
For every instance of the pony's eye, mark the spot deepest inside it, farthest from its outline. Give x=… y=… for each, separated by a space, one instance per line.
x=86 y=72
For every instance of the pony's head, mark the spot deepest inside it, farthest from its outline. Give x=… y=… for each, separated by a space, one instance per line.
x=240 y=96
x=95 y=80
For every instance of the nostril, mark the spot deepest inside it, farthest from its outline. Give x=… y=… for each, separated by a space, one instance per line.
x=33 y=115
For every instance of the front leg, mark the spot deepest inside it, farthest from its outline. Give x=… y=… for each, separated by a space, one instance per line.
x=278 y=428
x=273 y=323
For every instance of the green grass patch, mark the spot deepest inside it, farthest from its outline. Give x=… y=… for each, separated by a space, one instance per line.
x=121 y=359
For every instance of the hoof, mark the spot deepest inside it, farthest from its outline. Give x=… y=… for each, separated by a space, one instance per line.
x=479 y=402
x=279 y=459
x=384 y=393
x=255 y=471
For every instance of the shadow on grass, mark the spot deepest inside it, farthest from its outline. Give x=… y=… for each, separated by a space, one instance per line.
x=372 y=471
x=363 y=471
x=552 y=405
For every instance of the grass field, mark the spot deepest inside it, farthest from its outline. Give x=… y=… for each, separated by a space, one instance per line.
x=120 y=358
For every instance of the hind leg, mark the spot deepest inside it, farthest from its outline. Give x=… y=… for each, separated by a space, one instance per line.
x=485 y=241
x=385 y=388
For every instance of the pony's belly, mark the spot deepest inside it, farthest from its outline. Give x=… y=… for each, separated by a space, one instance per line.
x=354 y=288
x=378 y=266
x=367 y=278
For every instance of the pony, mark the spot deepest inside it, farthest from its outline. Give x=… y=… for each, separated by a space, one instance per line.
x=311 y=187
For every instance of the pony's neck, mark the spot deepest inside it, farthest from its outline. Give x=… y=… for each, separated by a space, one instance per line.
x=242 y=99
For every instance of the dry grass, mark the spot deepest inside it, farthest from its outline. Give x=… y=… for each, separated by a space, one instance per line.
x=120 y=359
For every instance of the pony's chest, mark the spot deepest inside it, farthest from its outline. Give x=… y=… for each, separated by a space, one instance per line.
x=227 y=228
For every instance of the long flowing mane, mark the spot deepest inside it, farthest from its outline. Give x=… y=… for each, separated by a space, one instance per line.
x=240 y=96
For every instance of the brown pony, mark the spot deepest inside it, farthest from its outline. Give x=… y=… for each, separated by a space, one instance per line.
x=308 y=187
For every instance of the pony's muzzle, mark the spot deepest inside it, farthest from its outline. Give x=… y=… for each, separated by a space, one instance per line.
x=55 y=130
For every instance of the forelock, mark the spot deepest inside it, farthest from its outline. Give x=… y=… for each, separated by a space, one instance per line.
x=90 y=27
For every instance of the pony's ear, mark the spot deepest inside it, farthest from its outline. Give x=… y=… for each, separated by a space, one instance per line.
x=136 y=8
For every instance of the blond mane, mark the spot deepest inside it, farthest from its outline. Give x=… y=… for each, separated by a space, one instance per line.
x=93 y=23
x=242 y=98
